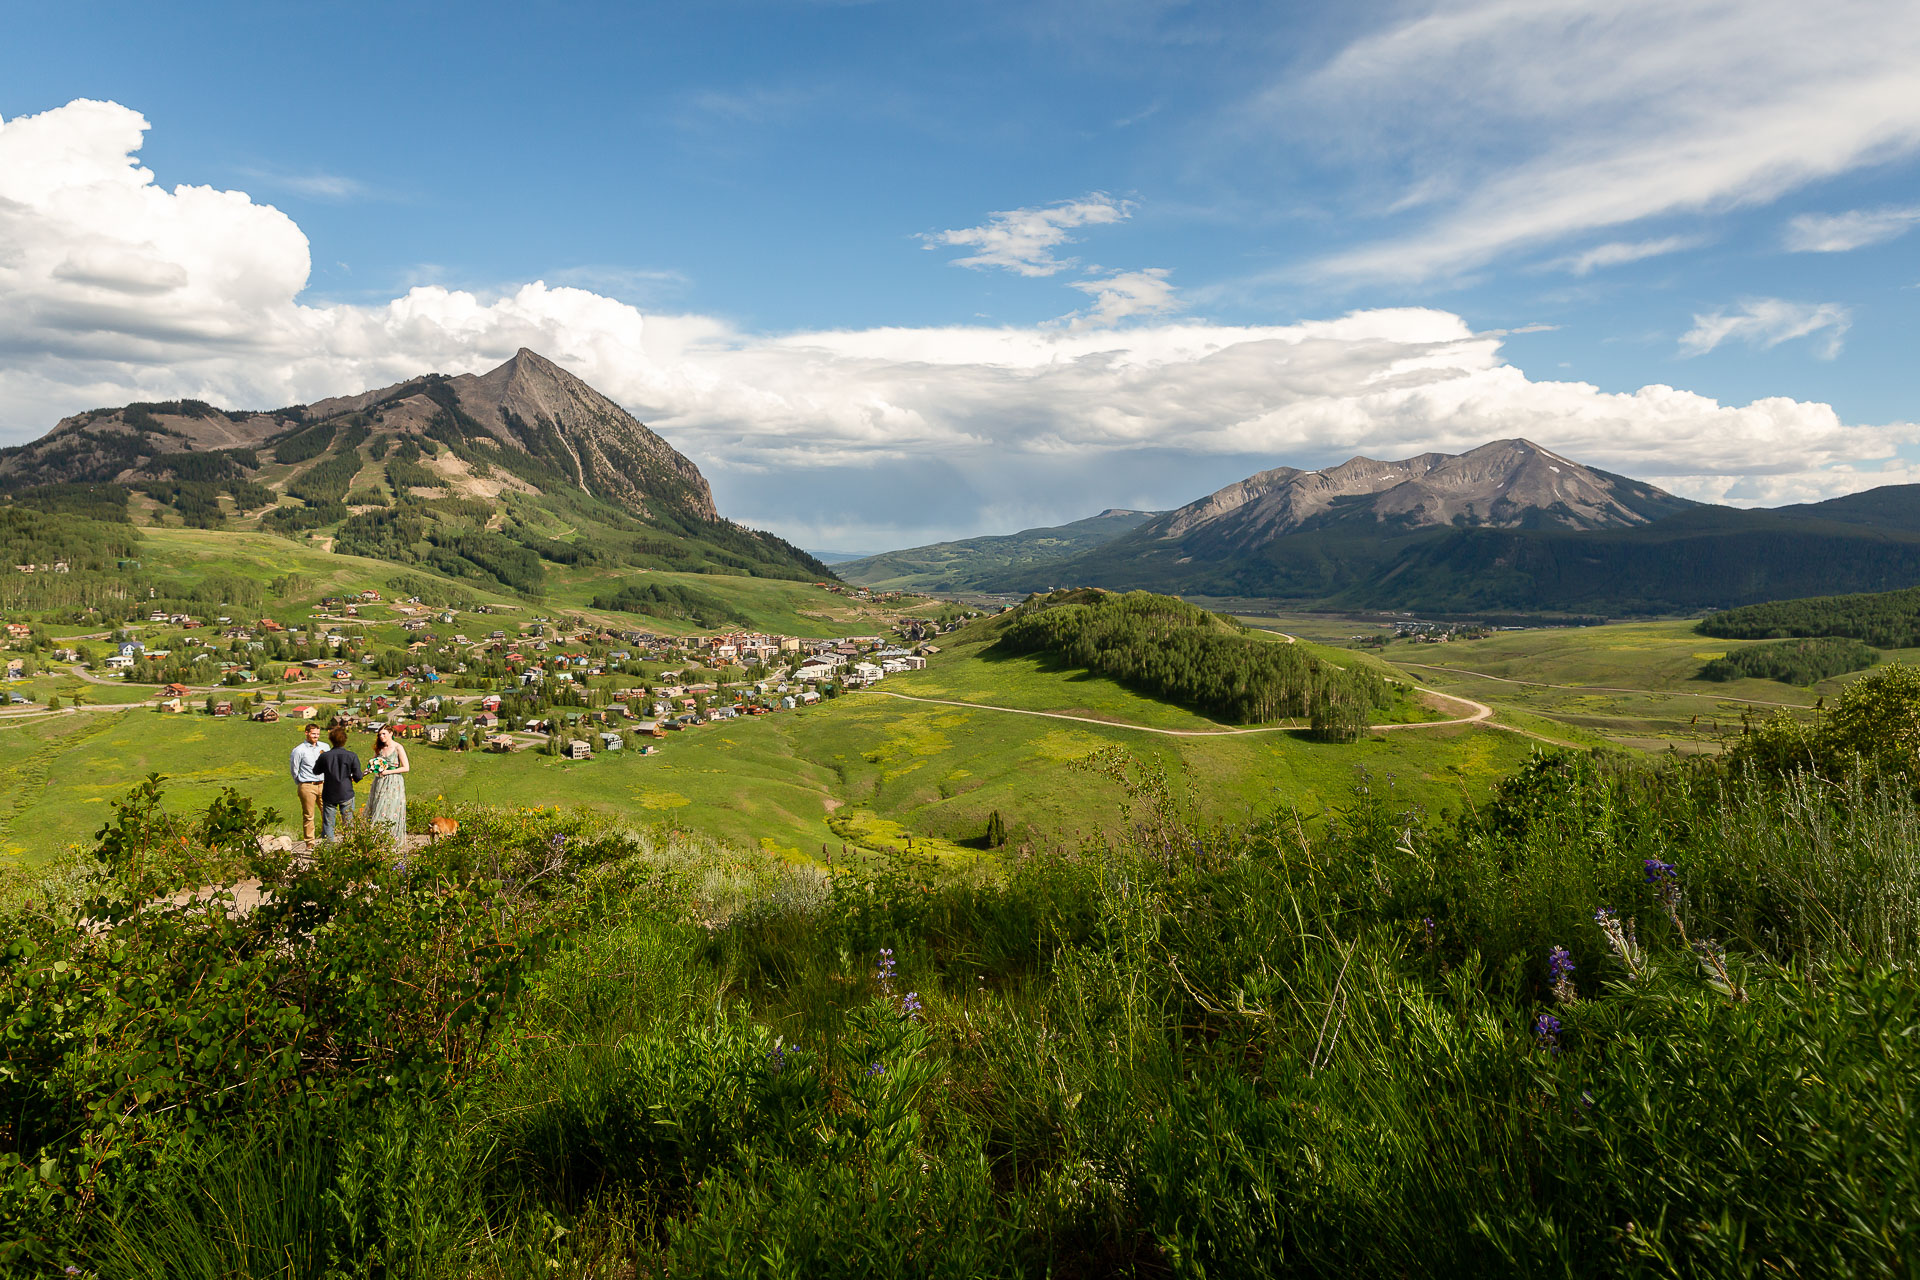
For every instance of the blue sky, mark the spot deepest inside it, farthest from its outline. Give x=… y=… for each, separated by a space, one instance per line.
x=896 y=271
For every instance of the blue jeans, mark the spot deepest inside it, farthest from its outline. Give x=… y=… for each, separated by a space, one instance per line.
x=344 y=809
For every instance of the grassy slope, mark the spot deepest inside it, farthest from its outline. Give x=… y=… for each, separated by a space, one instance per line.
x=768 y=782
x=1661 y=658
x=949 y=566
x=793 y=608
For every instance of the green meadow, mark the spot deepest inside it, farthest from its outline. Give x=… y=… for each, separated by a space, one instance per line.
x=769 y=604
x=790 y=783
x=1625 y=684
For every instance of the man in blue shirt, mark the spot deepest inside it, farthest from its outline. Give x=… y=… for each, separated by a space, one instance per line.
x=305 y=764
x=339 y=770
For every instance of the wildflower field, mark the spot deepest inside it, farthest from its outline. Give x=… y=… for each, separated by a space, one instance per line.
x=1618 y=1019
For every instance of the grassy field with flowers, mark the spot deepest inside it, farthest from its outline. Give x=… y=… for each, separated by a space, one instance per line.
x=771 y=782
x=1616 y=1019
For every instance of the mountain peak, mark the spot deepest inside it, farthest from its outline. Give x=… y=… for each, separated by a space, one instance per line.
x=552 y=413
x=1511 y=483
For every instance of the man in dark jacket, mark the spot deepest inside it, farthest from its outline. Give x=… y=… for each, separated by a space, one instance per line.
x=339 y=770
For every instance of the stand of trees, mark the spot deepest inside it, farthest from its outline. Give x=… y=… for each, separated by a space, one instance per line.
x=1792 y=661
x=1167 y=648
x=1889 y=619
x=669 y=600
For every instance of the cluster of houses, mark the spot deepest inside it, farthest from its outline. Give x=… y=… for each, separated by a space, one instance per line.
x=543 y=657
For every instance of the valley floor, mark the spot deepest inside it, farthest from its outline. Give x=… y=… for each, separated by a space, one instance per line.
x=931 y=755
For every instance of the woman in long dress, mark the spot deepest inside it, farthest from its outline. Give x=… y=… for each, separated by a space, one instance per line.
x=387 y=798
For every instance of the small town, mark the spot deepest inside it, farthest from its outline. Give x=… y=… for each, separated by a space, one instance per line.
x=459 y=681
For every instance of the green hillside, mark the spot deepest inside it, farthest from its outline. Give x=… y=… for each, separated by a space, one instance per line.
x=975 y=564
x=1702 y=558
x=1890 y=619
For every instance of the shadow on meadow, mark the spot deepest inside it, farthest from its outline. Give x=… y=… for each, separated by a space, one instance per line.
x=1615 y=1020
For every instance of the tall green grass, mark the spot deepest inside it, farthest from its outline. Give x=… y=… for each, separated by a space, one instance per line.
x=1266 y=1050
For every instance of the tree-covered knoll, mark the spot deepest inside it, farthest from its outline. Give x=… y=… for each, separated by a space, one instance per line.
x=1792 y=661
x=88 y=501
x=1167 y=648
x=1888 y=619
x=670 y=600
x=37 y=537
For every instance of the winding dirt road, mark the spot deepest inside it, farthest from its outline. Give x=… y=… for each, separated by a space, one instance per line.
x=1478 y=713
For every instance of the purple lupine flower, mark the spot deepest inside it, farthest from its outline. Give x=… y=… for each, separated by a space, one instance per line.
x=1560 y=975
x=885 y=972
x=1546 y=1032
x=777 y=1060
x=1665 y=879
x=910 y=1007
x=877 y=1069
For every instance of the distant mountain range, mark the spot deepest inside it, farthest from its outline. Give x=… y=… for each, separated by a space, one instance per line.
x=477 y=475
x=983 y=564
x=1509 y=527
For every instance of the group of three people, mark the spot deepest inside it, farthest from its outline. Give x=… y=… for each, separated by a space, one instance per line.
x=324 y=778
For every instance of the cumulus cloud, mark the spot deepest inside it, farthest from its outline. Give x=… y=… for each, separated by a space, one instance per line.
x=1123 y=294
x=1840 y=232
x=1555 y=119
x=114 y=288
x=1023 y=240
x=1768 y=322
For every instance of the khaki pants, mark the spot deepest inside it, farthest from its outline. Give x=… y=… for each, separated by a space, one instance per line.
x=309 y=803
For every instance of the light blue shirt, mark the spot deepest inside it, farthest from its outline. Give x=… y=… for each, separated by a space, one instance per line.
x=305 y=761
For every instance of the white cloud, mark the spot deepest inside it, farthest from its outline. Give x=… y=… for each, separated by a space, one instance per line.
x=1839 y=232
x=1023 y=240
x=1556 y=119
x=1619 y=253
x=1768 y=322
x=1123 y=294
x=113 y=288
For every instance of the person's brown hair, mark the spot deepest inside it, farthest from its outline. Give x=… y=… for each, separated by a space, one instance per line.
x=337 y=735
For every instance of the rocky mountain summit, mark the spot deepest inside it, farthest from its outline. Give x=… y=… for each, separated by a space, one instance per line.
x=480 y=474
x=528 y=406
x=532 y=405
x=1505 y=484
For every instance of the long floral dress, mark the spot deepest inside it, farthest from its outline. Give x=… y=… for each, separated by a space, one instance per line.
x=387 y=798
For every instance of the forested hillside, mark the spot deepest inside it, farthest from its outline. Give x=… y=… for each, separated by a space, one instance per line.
x=1799 y=662
x=1169 y=649
x=1890 y=619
